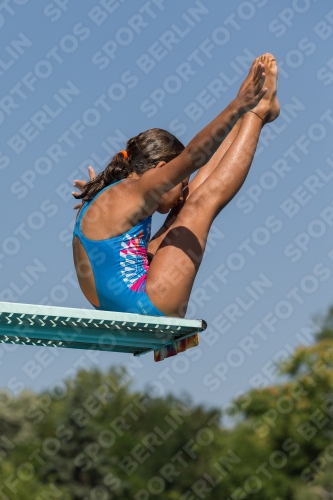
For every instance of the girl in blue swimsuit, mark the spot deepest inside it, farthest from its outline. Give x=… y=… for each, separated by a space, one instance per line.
x=121 y=264
x=119 y=267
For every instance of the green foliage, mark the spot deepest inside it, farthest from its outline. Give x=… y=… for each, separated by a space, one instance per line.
x=98 y=439
x=326 y=324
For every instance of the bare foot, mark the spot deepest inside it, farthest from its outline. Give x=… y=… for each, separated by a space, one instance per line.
x=269 y=108
x=250 y=75
x=252 y=89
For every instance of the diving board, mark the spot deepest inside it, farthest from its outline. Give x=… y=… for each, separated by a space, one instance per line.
x=50 y=326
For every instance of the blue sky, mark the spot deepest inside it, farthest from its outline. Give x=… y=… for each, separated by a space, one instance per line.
x=78 y=79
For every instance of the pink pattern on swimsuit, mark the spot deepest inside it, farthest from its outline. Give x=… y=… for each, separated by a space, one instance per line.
x=134 y=261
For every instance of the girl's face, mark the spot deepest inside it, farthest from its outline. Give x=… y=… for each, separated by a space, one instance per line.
x=170 y=199
x=173 y=197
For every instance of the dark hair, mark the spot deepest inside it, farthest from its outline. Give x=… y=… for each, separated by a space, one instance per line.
x=144 y=152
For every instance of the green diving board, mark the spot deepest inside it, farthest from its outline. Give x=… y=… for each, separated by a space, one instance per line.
x=50 y=326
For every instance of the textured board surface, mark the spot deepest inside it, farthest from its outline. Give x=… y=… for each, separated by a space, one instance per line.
x=90 y=329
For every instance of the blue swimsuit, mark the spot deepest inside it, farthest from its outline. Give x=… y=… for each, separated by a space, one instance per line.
x=120 y=266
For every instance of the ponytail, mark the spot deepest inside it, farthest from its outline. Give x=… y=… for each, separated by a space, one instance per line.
x=143 y=152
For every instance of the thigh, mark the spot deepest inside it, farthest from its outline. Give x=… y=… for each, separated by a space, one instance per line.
x=176 y=262
x=159 y=236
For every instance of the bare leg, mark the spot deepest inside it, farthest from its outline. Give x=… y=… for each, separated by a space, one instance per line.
x=205 y=171
x=200 y=177
x=172 y=272
x=173 y=269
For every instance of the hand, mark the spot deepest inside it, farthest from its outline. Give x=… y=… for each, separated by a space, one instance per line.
x=252 y=92
x=79 y=184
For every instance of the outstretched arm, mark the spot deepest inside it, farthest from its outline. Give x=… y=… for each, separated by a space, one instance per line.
x=206 y=145
x=199 y=178
x=200 y=149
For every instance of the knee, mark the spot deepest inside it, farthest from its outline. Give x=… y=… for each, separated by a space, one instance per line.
x=196 y=201
x=201 y=204
x=211 y=200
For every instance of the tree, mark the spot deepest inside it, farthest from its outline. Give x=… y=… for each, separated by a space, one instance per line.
x=294 y=420
x=95 y=438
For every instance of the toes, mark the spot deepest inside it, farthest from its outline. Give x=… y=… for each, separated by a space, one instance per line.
x=269 y=61
x=267 y=57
